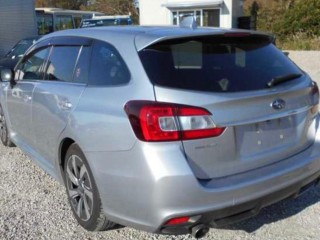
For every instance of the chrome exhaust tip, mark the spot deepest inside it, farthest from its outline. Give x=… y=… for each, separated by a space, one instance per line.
x=199 y=231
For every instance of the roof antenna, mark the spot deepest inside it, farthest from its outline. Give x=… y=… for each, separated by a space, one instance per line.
x=189 y=22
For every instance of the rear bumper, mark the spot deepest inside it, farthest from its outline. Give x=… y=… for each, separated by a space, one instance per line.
x=152 y=183
x=232 y=214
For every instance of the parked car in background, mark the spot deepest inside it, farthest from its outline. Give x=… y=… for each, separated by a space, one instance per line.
x=171 y=130
x=14 y=55
x=102 y=21
x=55 y=19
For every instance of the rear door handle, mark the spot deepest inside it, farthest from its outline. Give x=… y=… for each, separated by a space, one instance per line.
x=65 y=105
x=27 y=98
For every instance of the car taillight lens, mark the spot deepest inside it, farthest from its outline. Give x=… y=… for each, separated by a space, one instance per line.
x=315 y=89
x=315 y=95
x=155 y=121
x=177 y=221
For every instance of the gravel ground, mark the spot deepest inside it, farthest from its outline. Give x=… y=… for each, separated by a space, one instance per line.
x=309 y=61
x=34 y=206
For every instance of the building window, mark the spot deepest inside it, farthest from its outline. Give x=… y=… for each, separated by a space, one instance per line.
x=204 y=17
x=211 y=17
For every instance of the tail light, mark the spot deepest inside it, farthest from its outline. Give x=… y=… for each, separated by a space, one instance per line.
x=315 y=89
x=315 y=95
x=177 y=221
x=155 y=121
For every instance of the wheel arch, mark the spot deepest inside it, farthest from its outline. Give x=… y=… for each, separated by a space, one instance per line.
x=64 y=146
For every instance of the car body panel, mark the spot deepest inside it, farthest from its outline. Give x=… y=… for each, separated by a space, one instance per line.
x=255 y=135
x=19 y=103
x=161 y=185
x=144 y=184
x=52 y=103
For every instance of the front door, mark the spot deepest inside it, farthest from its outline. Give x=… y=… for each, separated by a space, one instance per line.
x=20 y=96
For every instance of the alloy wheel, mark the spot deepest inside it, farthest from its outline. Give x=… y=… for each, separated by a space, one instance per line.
x=79 y=187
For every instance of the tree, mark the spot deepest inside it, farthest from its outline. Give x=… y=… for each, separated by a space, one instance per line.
x=269 y=12
x=303 y=18
x=66 y=4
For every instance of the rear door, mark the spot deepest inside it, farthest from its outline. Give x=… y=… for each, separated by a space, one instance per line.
x=229 y=76
x=57 y=95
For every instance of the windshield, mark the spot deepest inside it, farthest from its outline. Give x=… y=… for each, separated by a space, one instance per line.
x=216 y=63
x=20 y=48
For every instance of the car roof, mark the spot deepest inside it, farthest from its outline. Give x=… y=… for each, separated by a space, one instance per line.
x=144 y=36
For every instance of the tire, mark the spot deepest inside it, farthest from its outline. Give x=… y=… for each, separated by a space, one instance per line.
x=4 y=135
x=83 y=195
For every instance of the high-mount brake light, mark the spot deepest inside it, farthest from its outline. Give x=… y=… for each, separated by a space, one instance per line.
x=237 y=34
x=156 y=121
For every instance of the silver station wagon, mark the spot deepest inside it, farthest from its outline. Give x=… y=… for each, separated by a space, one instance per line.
x=170 y=130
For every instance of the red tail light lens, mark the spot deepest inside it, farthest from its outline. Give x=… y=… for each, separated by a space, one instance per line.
x=158 y=123
x=315 y=95
x=176 y=221
x=315 y=89
x=154 y=121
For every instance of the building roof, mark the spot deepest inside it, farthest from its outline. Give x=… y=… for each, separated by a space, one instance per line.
x=201 y=4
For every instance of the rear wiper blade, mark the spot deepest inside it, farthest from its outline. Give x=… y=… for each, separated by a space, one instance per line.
x=282 y=79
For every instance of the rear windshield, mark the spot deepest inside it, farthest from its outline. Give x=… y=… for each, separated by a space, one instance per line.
x=217 y=64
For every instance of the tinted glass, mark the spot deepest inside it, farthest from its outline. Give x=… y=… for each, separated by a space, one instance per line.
x=82 y=69
x=105 y=22
x=62 y=62
x=63 y=22
x=107 y=67
x=218 y=64
x=45 y=23
x=20 y=48
x=32 y=66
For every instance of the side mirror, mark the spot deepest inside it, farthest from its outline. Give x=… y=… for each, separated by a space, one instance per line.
x=286 y=53
x=6 y=75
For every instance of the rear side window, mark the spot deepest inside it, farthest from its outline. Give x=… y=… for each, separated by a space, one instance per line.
x=62 y=63
x=216 y=63
x=107 y=66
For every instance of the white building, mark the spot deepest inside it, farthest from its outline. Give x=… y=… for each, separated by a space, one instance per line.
x=215 y=13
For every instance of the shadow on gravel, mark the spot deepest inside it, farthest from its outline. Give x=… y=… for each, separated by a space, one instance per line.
x=279 y=211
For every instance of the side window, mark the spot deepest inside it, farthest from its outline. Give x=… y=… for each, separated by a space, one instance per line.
x=62 y=63
x=82 y=68
x=63 y=22
x=107 y=67
x=32 y=67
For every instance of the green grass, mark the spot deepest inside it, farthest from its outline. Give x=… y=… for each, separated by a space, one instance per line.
x=300 y=43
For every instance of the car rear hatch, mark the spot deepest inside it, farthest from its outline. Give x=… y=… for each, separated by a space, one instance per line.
x=266 y=104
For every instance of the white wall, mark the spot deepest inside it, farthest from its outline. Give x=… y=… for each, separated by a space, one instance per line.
x=226 y=13
x=17 y=21
x=153 y=13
